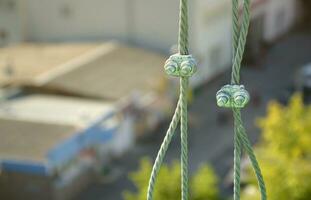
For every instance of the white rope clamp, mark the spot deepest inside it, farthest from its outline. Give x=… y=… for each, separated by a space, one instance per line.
x=180 y=65
x=232 y=96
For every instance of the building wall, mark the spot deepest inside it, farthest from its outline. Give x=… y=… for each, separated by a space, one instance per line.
x=212 y=37
x=10 y=22
x=155 y=23
x=147 y=23
x=280 y=17
x=63 y=20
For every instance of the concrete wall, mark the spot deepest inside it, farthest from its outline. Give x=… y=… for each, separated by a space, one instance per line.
x=280 y=17
x=11 y=15
x=146 y=23
x=60 y=20
x=155 y=23
x=212 y=37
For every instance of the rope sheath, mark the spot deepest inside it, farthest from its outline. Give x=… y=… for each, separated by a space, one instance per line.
x=184 y=138
x=241 y=140
x=163 y=149
x=183 y=28
x=180 y=115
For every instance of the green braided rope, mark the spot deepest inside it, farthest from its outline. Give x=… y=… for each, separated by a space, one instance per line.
x=241 y=139
x=242 y=35
x=237 y=143
x=249 y=150
x=235 y=26
x=237 y=163
x=183 y=50
x=161 y=154
x=180 y=114
x=184 y=138
x=183 y=28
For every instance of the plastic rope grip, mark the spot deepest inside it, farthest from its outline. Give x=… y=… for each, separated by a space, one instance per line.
x=232 y=96
x=180 y=65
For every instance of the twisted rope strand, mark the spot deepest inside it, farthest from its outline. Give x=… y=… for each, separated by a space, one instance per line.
x=235 y=27
x=180 y=114
x=184 y=138
x=163 y=149
x=235 y=78
x=237 y=142
x=183 y=50
x=241 y=139
x=183 y=28
x=249 y=150
x=237 y=164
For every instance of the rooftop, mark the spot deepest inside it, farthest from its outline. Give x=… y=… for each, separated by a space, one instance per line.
x=23 y=62
x=30 y=141
x=114 y=72
x=55 y=110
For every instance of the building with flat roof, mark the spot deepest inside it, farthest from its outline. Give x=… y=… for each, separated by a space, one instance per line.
x=110 y=71
x=58 y=142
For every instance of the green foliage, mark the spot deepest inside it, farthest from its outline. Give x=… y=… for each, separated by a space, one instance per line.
x=285 y=152
x=203 y=185
x=286 y=130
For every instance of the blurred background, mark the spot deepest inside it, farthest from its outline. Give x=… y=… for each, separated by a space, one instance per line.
x=85 y=104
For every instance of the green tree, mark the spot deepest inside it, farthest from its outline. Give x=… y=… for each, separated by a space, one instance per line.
x=203 y=184
x=285 y=152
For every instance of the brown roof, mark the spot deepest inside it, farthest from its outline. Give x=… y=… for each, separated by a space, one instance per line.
x=113 y=75
x=23 y=62
x=30 y=141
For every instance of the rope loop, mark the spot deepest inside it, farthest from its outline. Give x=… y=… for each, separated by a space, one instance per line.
x=235 y=96
x=184 y=66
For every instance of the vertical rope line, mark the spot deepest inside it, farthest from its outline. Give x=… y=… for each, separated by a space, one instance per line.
x=235 y=27
x=237 y=159
x=241 y=43
x=184 y=138
x=237 y=142
x=183 y=50
x=183 y=28
x=163 y=149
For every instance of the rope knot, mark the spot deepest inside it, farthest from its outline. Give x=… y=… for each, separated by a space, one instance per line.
x=232 y=96
x=180 y=65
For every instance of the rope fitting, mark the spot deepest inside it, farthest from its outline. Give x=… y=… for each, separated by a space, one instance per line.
x=180 y=65
x=232 y=96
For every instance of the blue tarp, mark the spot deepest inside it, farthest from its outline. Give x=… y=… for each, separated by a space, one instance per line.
x=24 y=167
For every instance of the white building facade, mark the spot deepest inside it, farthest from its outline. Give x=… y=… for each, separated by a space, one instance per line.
x=154 y=24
